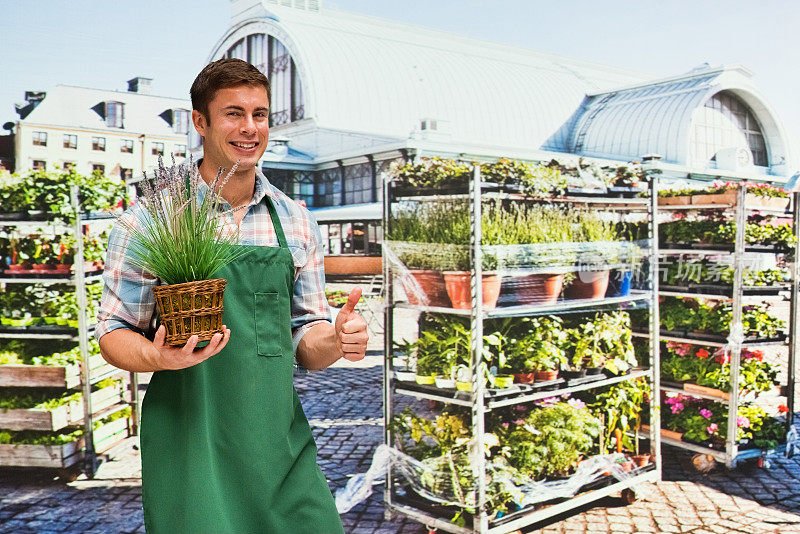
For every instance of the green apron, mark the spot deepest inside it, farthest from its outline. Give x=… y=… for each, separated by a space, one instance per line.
x=225 y=444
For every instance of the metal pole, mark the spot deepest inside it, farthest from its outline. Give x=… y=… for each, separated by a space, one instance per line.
x=736 y=337
x=794 y=315
x=388 y=337
x=478 y=455
x=655 y=330
x=90 y=460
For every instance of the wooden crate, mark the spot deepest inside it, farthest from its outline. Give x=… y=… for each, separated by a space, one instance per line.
x=66 y=455
x=67 y=415
x=49 y=376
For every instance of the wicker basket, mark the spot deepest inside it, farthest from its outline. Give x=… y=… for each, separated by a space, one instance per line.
x=193 y=308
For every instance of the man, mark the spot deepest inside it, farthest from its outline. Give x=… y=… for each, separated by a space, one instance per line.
x=225 y=444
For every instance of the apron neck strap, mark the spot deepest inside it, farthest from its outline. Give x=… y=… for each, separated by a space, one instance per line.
x=276 y=222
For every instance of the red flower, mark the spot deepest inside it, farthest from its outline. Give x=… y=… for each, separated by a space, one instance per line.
x=783 y=408
x=722 y=358
x=702 y=353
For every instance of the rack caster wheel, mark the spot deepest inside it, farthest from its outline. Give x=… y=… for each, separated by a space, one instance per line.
x=68 y=474
x=703 y=462
x=629 y=496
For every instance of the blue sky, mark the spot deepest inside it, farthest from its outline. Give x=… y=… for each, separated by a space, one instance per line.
x=102 y=44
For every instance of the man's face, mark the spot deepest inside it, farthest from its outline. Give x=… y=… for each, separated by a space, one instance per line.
x=237 y=127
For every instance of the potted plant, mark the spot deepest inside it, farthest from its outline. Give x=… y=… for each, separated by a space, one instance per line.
x=183 y=241
x=546 y=359
x=601 y=248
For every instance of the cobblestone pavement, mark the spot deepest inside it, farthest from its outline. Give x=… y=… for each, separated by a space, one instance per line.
x=344 y=408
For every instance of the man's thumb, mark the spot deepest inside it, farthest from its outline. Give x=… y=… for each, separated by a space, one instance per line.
x=352 y=300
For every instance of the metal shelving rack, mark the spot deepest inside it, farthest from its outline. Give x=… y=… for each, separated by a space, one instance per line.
x=482 y=401
x=736 y=340
x=89 y=377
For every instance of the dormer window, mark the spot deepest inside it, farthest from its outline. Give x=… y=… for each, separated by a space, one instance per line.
x=115 y=113
x=180 y=121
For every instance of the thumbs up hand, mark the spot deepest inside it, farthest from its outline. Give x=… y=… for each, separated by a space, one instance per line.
x=351 y=329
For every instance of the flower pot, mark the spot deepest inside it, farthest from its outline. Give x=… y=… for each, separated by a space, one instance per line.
x=5 y=321
x=626 y=466
x=464 y=386
x=641 y=460
x=63 y=268
x=404 y=376
x=524 y=378
x=619 y=284
x=444 y=382
x=458 y=288
x=192 y=308
x=571 y=374
x=50 y=320
x=39 y=268
x=542 y=288
x=593 y=371
x=72 y=323
x=61 y=321
x=545 y=376
x=503 y=381
x=432 y=285
x=671 y=434
x=588 y=285
x=425 y=380
x=16 y=267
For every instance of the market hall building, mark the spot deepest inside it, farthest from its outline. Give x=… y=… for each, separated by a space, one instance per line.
x=353 y=93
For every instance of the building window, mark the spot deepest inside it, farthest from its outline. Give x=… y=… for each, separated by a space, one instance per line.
x=99 y=143
x=180 y=121
x=115 y=112
x=180 y=151
x=98 y=168
x=39 y=138
x=727 y=122
x=69 y=165
x=272 y=58
x=158 y=149
x=126 y=146
x=304 y=187
x=126 y=174
x=39 y=165
x=70 y=141
x=381 y=172
x=358 y=183
x=329 y=188
x=282 y=179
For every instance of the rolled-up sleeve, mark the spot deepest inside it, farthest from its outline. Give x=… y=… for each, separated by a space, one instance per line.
x=127 y=300
x=309 y=304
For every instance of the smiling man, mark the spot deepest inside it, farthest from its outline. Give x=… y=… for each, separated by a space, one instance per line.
x=226 y=446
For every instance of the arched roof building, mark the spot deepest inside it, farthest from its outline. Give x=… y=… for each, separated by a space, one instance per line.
x=351 y=92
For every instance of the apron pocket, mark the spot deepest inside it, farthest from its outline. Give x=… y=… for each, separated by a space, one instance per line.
x=270 y=333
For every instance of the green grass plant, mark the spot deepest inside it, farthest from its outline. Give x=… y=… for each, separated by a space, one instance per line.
x=182 y=235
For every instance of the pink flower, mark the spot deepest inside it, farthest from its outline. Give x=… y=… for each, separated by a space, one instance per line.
x=504 y=425
x=677 y=407
x=520 y=407
x=706 y=413
x=743 y=421
x=577 y=403
x=712 y=428
x=519 y=422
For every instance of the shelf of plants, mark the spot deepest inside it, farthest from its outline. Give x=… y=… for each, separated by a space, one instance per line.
x=536 y=398
x=61 y=404
x=727 y=264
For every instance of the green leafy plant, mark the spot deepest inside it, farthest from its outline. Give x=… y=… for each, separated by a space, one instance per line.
x=620 y=407
x=551 y=440
x=605 y=341
x=179 y=235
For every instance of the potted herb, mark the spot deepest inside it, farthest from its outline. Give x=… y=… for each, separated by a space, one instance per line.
x=182 y=240
x=601 y=249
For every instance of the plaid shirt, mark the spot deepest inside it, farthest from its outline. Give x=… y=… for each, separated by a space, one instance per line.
x=127 y=294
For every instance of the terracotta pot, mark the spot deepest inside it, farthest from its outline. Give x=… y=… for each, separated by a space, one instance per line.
x=626 y=466
x=545 y=376
x=588 y=285
x=460 y=293
x=63 y=268
x=16 y=267
x=641 y=460
x=432 y=284
x=671 y=434
x=542 y=288
x=524 y=378
x=39 y=268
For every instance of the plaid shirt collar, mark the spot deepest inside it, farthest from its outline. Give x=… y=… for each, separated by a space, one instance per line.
x=262 y=188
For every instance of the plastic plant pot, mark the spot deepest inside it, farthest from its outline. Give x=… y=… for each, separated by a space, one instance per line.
x=425 y=380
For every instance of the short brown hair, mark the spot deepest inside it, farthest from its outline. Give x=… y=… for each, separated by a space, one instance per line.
x=223 y=73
